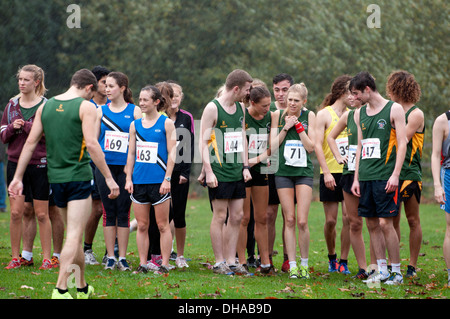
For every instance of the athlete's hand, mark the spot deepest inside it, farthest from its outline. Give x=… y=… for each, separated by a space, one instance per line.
x=211 y=180
x=129 y=186
x=201 y=178
x=355 y=189
x=439 y=195
x=17 y=124
x=113 y=188
x=341 y=159
x=165 y=187
x=183 y=180
x=329 y=181
x=15 y=188
x=246 y=174
x=392 y=184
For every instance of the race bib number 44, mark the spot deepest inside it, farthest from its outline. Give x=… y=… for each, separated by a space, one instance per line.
x=370 y=148
x=146 y=152
x=233 y=142
x=116 y=141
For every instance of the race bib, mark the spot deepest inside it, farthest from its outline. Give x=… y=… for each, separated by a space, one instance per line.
x=233 y=142
x=146 y=152
x=116 y=141
x=295 y=154
x=370 y=148
x=257 y=143
x=342 y=144
x=351 y=161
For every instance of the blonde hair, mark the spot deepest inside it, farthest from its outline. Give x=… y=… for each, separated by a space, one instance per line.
x=296 y=88
x=38 y=75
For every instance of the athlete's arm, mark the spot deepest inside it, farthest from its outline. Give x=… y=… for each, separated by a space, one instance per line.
x=398 y=121
x=98 y=121
x=245 y=172
x=16 y=186
x=440 y=133
x=309 y=139
x=332 y=136
x=207 y=123
x=130 y=159
x=171 y=140
x=88 y=116
x=322 y=122
x=355 y=186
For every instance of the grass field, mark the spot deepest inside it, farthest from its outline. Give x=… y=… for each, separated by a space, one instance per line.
x=198 y=282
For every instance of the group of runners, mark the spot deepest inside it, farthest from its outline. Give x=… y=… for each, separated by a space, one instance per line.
x=91 y=152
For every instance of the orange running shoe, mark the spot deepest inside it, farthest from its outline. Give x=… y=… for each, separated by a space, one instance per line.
x=14 y=263
x=55 y=262
x=46 y=264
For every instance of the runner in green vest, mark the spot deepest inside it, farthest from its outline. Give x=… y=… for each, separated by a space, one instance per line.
x=403 y=88
x=67 y=120
x=292 y=138
x=380 y=154
x=223 y=148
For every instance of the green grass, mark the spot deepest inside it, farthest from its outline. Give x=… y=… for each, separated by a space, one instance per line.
x=198 y=282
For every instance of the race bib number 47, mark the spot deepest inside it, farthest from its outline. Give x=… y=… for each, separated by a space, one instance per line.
x=370 y=148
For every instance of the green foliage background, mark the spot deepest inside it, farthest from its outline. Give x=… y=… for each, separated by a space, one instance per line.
x=197 y=43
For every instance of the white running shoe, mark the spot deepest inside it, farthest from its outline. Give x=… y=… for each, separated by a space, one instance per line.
x=89 y=258
x=394 y=279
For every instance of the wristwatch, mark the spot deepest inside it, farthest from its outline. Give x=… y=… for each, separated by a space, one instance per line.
x=167 y=178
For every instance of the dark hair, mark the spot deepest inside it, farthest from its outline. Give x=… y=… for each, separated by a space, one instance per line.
x=258 y=92
x=122 y=80
x=166 y=90
x=281 y=77
x=361 y=80
x=403 y=86
x=338 y=89
x=100 y=71
x=155 y=94
x=82 y=78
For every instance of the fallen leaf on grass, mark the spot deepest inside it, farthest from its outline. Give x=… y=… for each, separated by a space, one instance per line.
x=26 y=287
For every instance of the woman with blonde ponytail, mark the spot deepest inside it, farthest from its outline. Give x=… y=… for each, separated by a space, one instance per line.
x=15 y=127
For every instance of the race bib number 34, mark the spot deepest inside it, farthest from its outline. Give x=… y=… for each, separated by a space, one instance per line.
x=116 y=141
x=146 y=152
x=370 y=148
x=233 y=142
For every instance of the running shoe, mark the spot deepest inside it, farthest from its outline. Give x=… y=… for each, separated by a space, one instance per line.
x=141 y=269
x=110 y=264
x=123 y=265
x=26 y=262
x=394 y=279
x=222 y=269
x=293 y=272
x=343 y=269
x=304 y=273
x=181 y=262
x=162 y=270
x=46 y=264
x=285 y=266
x=240 y=270
x=267 y=271
x=14 y=263
x=151 y=265
x=173 y=256
x=57 y=295
x=376 y=278
x=89 y=258
x=86 y=295
x=362 y=274
x=333 y=266
x=55 y=262
x=157 y=259
x=411 y=272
